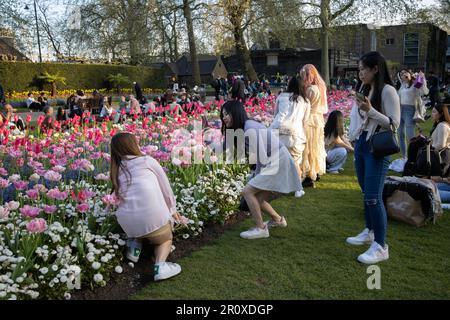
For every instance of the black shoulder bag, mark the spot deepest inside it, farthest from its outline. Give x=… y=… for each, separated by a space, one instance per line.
x=384 y=143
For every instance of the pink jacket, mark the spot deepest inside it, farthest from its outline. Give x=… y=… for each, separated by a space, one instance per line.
x=148 y=201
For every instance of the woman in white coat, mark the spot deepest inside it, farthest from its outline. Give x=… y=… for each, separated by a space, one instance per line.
x=291 y=114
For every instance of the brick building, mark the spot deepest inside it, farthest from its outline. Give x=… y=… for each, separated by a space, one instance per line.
x=420 y=46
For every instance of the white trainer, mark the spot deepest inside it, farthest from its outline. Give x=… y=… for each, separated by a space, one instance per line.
x=134 y=247
x=271 y=223
x=255 y=233
x=365 y=237
x=299 y=194
x=166 y=270
x=374 y=254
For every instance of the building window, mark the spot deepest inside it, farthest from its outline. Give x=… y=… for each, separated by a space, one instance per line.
x=389 y=42
x=411 y=49
x=272 y=60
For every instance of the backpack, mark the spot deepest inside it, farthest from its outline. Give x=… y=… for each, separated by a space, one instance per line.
x=412 y=200
x=425 y=161
x=430 y=163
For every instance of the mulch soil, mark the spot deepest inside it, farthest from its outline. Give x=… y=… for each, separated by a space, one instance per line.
x=133 y=279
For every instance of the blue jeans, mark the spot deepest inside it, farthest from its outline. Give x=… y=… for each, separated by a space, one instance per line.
x=444 y=192
x=407 y=124
x=336 y=158
x=371 y=173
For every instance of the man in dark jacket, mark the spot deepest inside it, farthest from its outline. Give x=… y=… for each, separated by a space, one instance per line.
x=217 y=85
x=138 y=91
x=238 y=90
x=433 y=85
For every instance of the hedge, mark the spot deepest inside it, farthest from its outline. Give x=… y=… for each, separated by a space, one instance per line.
x=21 y=76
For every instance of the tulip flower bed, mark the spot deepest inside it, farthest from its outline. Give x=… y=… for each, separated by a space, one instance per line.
x=64 y=94
x=58 y=231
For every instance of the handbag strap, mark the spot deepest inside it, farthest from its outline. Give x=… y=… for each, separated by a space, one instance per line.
x=391 y=125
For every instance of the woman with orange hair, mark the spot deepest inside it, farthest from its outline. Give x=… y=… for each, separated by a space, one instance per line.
x=314 y=156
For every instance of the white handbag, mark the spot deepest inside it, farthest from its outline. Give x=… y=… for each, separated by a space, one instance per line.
x=419 y=114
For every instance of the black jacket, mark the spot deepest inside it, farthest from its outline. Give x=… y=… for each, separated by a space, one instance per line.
x=238 y=90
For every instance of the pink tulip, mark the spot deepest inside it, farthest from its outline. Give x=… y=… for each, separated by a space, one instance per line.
x=4 y=212
x=102 y=177
x=4 y=183
x=82 y=207
x=13 y=205
x=51 y=175
x=21 y=185
x=33 y=194
x=58 y=168
x=37 y=225
x=57 y=195
x=30 y=212
x=49 y=209
x=40 y=187
x=110 y=199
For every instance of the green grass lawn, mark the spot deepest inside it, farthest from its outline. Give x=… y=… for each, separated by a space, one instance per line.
x=310 y=259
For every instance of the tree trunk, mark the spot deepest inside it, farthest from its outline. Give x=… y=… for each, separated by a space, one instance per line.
x=325 y=66
x=53 y=89
x=175 y=37
x=244 y=53
x=192 y=46
x=324 y=35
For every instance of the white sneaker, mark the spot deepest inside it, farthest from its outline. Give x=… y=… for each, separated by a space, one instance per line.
x=374 y=254
x=134 y=250
x=272 y=224
x=166 y=270
x=299 y=194
x=365 y=237
x=446 y=206
x=255 y=233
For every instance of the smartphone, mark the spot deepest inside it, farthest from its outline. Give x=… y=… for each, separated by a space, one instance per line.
x=360 y=97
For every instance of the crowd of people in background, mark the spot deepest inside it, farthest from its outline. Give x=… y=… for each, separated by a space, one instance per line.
x=307 y=147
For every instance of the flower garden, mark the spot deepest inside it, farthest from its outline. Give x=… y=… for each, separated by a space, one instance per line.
x=57 y=223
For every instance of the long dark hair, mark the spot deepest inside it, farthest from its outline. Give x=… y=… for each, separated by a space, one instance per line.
x=59 y=114
x=335 y=125
x=294 y=88
x=443 y=111
x=371 y=60
x=237 y=112
x=122 y=144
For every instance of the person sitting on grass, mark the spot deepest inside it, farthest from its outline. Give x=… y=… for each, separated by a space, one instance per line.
x=135 y=107
x=7 y=117
x=336 y=143
x=440 y=134
x=42 y=99
x=443 y=185
x=62 y=118
x=31 y=104
x=48 y=123
x=147 y=205
x=107 y=112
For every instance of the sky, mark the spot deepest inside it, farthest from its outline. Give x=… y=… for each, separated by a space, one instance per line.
x=58 y=8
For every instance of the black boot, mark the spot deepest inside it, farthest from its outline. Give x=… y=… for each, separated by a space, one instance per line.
x=308 y=183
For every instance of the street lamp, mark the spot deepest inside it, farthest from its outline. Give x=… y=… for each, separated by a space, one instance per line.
x=37 y=29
